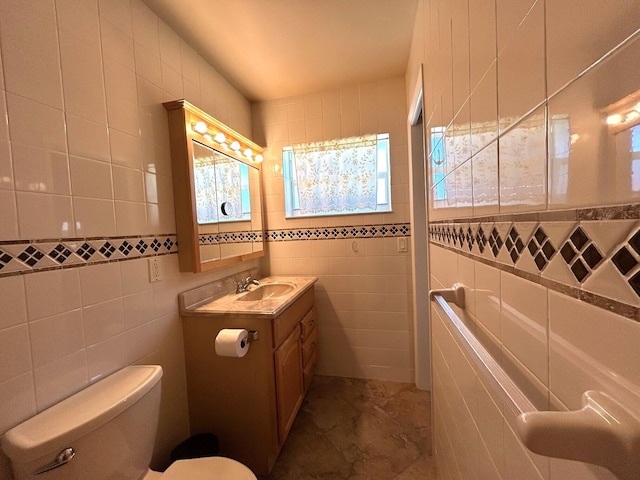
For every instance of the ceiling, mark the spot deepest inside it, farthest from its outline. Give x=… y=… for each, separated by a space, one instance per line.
x=279 y=48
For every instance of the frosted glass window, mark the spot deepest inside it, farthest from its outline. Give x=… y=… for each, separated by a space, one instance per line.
x=337 y=177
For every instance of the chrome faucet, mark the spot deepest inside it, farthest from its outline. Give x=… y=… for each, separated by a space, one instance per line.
x=243 y=286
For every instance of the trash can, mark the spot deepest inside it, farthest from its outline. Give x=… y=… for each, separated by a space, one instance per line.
x=196 y=446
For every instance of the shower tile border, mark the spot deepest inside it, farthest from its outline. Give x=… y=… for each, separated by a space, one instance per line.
x=578 y=262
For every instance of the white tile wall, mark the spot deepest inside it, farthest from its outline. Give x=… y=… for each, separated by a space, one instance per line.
x=84 y=153
x=363 y=296
x=525 y=63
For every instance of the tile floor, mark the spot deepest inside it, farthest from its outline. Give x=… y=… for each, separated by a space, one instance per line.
x=352 y=429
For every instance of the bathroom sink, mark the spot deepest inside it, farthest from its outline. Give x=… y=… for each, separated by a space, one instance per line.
x=266 y=291
x=269 y=299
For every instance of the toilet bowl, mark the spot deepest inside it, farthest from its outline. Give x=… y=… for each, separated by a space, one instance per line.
x=106 y=432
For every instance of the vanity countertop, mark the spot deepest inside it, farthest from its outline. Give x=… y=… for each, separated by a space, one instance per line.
x=207 y=301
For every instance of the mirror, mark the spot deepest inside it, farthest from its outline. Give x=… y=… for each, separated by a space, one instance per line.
x=219 y=215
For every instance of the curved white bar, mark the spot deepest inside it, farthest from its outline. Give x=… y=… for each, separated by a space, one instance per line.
x=603 y=432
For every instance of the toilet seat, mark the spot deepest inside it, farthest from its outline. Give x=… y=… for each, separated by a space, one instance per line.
x=208 y=468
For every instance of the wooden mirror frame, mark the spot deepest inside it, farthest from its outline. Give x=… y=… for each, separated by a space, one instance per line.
x=183 y=116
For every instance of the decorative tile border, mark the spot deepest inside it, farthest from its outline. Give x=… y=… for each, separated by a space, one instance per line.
x=328 y=233
x=30 y=256
x=248 y=236
x=591 y=254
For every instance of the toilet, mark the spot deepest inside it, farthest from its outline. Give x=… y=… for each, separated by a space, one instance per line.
x=106 y=432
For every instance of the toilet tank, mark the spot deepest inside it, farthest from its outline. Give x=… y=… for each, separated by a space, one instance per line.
x=110 y=425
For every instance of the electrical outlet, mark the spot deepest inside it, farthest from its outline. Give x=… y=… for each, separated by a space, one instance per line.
x=402 y=245
x=154 y=270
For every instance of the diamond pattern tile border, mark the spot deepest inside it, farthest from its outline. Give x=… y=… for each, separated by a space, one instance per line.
x=627 y=261
x=248 y=236
x=325 y=233
x=39 y=255
x=482 y=239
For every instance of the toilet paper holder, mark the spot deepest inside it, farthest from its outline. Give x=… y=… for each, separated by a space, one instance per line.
x=254 y=336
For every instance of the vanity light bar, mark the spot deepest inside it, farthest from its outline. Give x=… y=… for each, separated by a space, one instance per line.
x=215 y=131
x=210 y=134
x=624 y=113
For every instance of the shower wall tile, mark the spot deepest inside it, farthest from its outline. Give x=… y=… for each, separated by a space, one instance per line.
x=484 y=110
x=487 y=297
x=521 y=72
x=4 y=127
x=524 y=323
x=578 y=125
x=485 y=181
x=571 y=46
x=461 y=52
x=590 y=349
x=555 y=214
x=482 y=34
x=522 y=165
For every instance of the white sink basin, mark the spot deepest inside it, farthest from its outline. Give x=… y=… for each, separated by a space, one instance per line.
x=266 y=291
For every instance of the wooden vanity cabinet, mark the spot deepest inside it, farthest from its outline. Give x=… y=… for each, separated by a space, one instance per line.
x=251 y=402
x=289 y=382
x=309 y=340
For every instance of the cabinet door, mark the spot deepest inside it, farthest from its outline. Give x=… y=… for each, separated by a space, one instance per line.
x=289 y=384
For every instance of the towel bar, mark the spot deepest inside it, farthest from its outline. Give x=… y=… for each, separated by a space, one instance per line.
x=603 y=432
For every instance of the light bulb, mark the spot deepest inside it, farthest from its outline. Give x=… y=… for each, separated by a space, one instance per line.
x=220 y=138
x=632 y=115
x=248 y=153
x=235 y=146
x=614 y=119
x=258 y=158
x=200 y=127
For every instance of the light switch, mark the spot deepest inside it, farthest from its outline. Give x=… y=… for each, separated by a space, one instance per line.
x=403 y=247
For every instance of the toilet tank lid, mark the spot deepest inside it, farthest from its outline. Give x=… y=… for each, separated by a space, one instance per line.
x=81 y=413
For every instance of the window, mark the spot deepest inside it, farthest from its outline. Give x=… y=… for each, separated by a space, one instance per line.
x=337 y=177
x=635 y=158
x=437 y=163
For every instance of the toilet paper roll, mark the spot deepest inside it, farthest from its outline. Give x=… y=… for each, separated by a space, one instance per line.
x=232 y=342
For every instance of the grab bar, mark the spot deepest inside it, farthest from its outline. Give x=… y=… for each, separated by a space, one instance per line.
x=603 y=432
x=454 y=294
